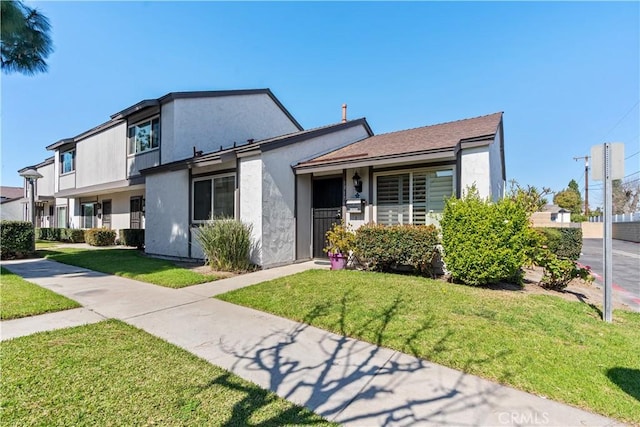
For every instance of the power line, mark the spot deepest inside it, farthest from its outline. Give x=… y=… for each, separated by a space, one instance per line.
x=632 y=155
x=622 y=119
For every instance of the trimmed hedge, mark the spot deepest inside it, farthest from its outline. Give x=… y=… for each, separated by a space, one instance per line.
x=485 y=242
x=17 y=239
x=49 y=234
x=566 y=243
x=100 y=237
x=131 y=237
x=72 y=235
x=384 y=248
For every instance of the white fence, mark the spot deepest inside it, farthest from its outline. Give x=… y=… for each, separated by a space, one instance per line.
x=618 y=218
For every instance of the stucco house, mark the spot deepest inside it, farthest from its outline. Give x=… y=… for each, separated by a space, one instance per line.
x=171 y=163
x=551 y=216
x=10 y=203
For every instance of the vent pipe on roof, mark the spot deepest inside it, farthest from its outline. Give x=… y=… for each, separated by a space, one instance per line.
x=344 y=113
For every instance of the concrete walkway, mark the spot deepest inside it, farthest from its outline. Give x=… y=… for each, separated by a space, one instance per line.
x=345 y=380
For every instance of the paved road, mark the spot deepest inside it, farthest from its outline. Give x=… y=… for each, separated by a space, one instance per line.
x=626 y=268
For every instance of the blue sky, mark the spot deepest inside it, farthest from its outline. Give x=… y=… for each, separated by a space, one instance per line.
x=566 y=75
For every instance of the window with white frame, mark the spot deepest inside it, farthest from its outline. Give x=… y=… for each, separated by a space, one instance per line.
x=67 y=161
x=213 y=197
x=61 y=216
x=409 y=197
x=144 y=136
x=88 y=219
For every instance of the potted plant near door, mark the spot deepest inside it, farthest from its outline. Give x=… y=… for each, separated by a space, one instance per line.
x=340 y=240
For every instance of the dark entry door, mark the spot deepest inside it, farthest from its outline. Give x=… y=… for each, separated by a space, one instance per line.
x=106 y=214
x=327 y=210
x=135 y=212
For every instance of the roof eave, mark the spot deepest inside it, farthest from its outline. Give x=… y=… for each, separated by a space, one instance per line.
x=421 y=156
x=146 y=103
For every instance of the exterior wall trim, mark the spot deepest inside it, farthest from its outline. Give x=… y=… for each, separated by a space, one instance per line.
x=123 y=184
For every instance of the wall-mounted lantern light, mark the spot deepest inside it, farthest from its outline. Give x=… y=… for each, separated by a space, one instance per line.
x=357 y=182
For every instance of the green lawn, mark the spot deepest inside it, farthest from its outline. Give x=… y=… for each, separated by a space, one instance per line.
x=19 y=298
x=537 y=343
x=110 y=373
x=129 y=263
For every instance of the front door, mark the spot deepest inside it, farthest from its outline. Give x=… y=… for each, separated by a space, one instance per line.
x=135 y=212
x=106 y=214
x=327 y=210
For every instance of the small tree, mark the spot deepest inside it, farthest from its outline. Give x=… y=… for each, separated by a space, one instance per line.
x=626 y=196
x=570 y=199
x=532 y=199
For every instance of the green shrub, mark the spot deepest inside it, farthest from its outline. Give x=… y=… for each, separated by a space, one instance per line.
x=566 y=243
x=340 y=239
x=485 y=242
x=226 y=244
x=132 y=237
x=50 y=234
x=73 y=235
x=100 y=237
x=384 y=248
x=17 y=238
x=558 y=272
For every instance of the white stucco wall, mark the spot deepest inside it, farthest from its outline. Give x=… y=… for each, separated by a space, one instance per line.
x=475 y=169
x=12 y=211
x=208 y=123
x=278 y=191
x=495 y=160
x=358 y=220
x=102 y=157
x=250 y=185
x=167 y=214
x=74 y=212
x=120 y=208
x=304 y=219
x=47 y=182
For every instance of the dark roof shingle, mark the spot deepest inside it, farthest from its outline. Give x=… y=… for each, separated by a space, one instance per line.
x=11 y=192
x=435 y=137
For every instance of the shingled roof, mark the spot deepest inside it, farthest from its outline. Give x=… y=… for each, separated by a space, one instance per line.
x=11 y=193
x=440 y=137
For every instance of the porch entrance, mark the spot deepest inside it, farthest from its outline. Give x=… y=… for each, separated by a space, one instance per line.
x=327 y=210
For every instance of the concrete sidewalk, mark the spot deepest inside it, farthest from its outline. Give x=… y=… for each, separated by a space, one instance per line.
x=345 y=380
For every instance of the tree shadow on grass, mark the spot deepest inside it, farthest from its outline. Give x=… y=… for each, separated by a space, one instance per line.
x=335 y=373
x=627 y=379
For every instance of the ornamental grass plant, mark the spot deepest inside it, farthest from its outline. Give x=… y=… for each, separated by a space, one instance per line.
x=226 y=244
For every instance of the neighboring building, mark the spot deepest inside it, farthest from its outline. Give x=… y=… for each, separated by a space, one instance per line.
x=10 y=203
x=169 y=164
x=551 y=216
x=45 y=203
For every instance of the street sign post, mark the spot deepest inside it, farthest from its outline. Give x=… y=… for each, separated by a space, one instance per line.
x=607 y=165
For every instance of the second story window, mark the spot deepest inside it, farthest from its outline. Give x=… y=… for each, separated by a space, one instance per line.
x=67 y=161
x=144 y=136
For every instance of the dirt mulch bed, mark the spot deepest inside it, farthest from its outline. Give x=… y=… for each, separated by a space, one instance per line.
x=577 y=290
x=205 y=269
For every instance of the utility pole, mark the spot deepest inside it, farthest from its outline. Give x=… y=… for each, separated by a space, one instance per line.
x=586 y=182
